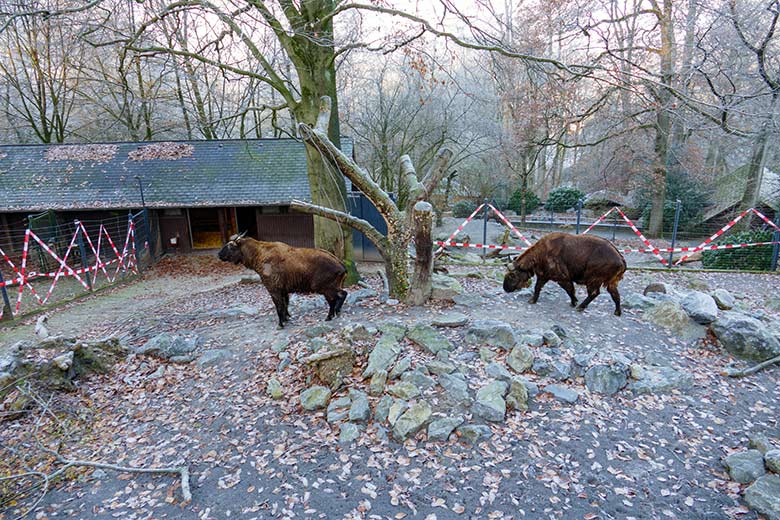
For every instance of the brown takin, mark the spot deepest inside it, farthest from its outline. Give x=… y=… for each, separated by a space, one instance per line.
x=285 y=269
x=568 y=259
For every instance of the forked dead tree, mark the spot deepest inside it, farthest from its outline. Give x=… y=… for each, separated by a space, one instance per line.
x=415 y=222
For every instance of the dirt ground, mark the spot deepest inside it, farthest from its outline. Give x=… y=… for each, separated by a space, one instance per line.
x=622 y=456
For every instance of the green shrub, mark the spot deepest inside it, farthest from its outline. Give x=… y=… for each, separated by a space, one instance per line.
x=463 y=208
x=756 y=258
x=563 y=198
x=531 y=201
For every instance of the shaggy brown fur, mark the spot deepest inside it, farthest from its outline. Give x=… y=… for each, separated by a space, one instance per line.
x=285 y=269
x=568 y=259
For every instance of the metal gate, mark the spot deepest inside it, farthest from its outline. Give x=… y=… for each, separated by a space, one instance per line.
x=361 y=207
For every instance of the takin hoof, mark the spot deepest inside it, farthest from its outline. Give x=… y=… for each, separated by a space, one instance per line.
x=618 y=313
x=532 y=301
x=580 y=309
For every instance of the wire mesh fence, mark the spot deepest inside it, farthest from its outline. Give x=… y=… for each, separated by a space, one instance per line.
x=49 y=262
x=732 y=240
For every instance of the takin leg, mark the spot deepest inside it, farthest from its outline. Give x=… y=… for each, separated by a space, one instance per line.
x=342 y=297
x=333 y=298
x=278 y=300
x=593 y=291
x=537 y=289
x=286 y=306
x=613 y=291
x=569 y=288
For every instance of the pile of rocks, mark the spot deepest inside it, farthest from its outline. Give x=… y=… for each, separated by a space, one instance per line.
x=417 y=379
x=758 y=466
x=747 y=335
x=51 y=364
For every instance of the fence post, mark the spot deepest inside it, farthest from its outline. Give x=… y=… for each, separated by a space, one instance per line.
x=775 y=239
x=136 y=239
x=83 y=251
x=484 y=228
x=7 y=312
x=579 y=214
x=674 y=231
x=614 y=225
x=552 y=220
x=147 y=230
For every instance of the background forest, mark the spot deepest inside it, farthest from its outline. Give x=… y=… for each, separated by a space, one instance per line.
x=652 y=100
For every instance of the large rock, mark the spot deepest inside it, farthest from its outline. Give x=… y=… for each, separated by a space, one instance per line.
x=170 y=346
x=349 y=432
x=517 y=398
x=450 y=319
x=489 y=403
x=551 y=339
x=414 y=419
x=274 y=388
x=764 y=496
x=723 y=299
x=637 y=301
x=520 y=359
x=445 y=287
x=428 y=338
x=456 y=388
x=315 y=398
x=359 y=411
x=772 y=460
x=491 y=332
x=745 y=466
x=378 y=381
x=404 y=364
x=404 y=390
x=473 y=432
x=606 y=378
x=498 y=371
x=658 y=380
x=332 y=365
x=562 y=393
x=656 y=287
x=383 y=355
x=440 y=429
x=419 y=379
x=440 y=367
x=382 y=409
x=700 y=307
x=745 y=337
x=668 y=314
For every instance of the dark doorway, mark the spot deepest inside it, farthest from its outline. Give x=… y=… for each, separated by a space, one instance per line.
x=206 y=229
x=174 y=230
x=246 y=220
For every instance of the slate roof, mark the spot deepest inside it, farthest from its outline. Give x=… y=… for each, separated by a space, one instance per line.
x=729 y=188
x=174 y=174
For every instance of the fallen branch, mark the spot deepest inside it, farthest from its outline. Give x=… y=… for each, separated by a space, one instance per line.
x=751 y=370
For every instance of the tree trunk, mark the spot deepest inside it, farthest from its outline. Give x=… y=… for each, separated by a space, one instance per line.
x=663 y=122
x=422 y=284
x=754 y=176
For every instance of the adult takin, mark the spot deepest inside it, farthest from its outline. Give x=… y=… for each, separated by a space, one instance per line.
x=568 y=259
x=284 y=269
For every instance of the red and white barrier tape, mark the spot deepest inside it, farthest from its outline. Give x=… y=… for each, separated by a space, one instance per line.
x=725 y=228
x=479 y=246
x=125 y=261
x=645 y=241
x=509 y=224
x=460 y=228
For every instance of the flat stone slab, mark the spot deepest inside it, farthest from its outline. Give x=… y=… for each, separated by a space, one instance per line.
x=450 y=319
x=562 y=393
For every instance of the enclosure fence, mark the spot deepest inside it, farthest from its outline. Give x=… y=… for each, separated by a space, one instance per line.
x=49 y=263
x=748 y=240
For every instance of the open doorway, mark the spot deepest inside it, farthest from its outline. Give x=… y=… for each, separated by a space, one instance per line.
x=246 y=220
x=210 y=227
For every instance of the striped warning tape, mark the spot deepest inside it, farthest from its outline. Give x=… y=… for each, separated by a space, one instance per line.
x=460 y=228
x=509 y=224
x=125 y=261
x=653 y=249
x=479 y=246
x=725 y=228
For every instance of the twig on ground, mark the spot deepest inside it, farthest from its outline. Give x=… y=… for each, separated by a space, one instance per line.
x=751 y=370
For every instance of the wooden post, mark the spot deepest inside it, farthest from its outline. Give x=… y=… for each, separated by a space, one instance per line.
x=422 y=284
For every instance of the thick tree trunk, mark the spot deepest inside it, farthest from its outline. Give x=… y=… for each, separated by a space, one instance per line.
x=663 y=122
x=754 y=176
x=422 y=284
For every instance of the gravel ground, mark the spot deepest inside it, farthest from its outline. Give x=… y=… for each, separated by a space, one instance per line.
x=652 y=456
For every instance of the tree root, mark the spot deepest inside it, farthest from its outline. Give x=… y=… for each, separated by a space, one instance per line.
x=751 y=370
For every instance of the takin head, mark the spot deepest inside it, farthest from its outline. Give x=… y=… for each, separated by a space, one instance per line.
x=516 y=278
x=231 y=252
